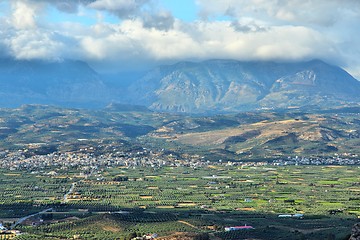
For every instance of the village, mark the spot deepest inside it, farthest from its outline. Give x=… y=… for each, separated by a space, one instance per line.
x=158 y=188
x=87 y=159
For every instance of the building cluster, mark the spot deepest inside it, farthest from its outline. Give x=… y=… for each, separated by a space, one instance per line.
x=19 y=161
x=146 y=237
x=336 y=160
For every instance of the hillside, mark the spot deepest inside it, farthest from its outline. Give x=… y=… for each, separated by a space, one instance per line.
x=64 y=83
x=213 y=86
x=226 y=85
x=247 y=135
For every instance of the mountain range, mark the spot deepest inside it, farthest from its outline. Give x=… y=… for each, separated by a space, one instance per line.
x=64 y=83
x=226 y=85
x=212 y=86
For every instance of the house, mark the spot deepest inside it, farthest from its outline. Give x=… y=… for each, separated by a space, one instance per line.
x=237 y=228
x=146 y=237
x=296 y=215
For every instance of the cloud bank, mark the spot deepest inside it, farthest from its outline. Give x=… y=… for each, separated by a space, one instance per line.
x=147 y=33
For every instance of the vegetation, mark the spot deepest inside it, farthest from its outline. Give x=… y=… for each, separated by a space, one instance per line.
x=183 y=199
x=119 y=174
x=241 y=136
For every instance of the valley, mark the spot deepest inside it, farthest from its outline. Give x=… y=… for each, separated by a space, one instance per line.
x=114 y=203
x=125 y=171
x=179 y=120
x=219 y=149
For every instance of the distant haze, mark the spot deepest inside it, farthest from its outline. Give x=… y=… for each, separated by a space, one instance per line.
x=125 y=35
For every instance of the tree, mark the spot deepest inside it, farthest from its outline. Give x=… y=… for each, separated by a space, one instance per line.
x=202 y=236
x=132 y=235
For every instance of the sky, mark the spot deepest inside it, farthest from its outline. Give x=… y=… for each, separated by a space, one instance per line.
x=121 y=35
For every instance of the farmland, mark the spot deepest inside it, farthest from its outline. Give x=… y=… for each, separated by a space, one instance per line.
x=116 y=174
x=116 y=202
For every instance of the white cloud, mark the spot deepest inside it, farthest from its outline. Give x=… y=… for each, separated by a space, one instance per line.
x=68 y=6
x=256 y=30
x=203 y=40
x=316 y=12
x=145 y=10
x=162 y=20
x=333 y=21
x=34 y=44
x=123 y=8
x=24 y=15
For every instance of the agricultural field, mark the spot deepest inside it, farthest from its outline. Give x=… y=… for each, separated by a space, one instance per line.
x=116 y=203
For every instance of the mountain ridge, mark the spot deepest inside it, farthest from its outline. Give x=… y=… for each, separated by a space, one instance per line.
x=208 y=87
x=230 y=85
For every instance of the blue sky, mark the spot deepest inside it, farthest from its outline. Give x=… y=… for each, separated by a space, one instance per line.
x=55 y=16
x=116 y=35
x=4 y=6
x=182 y=9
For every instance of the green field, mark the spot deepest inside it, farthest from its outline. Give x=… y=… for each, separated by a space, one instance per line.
x=184 y=199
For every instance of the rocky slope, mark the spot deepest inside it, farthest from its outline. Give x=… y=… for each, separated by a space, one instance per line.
x=226 y=85
x=213 y=86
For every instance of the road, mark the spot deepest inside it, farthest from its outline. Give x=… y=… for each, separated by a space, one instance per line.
x=71 y=190
x=65 y=198
x=29 y=216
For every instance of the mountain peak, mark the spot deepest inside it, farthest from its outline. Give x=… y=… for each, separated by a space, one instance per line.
x=230 y=85
x=216 y=85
